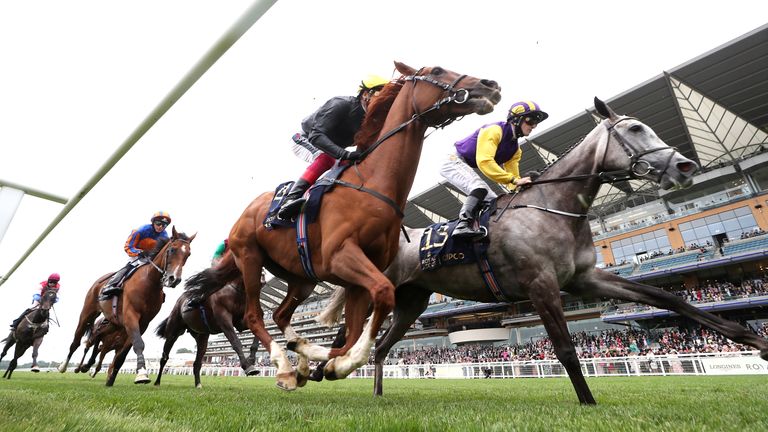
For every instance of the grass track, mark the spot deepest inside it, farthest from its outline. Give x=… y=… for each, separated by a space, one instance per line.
x=69 y=402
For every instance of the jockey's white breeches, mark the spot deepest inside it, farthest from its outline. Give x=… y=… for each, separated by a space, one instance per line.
x=463 y=176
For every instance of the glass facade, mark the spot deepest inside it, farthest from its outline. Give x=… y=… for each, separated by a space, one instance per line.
x=731 y=223
x=625 y=250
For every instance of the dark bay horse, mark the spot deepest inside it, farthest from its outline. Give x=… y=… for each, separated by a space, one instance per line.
x=104 y=337
x=221 y=312
x=356 y=235
x=535 y=253
x=138 y=304
x=29 y=332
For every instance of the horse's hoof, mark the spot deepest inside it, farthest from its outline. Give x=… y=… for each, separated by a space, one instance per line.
x=764 y=354
x=286 y=381
x=292 y=345
x=329 y=371
x=199 y=386
x=301 y=380
x=141 y=377
x=252 y=371
x=93 y=373
x=62 y=368
x=35 y=369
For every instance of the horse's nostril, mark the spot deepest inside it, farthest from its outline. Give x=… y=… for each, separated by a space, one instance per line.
x=687 y=167
x=489 y=83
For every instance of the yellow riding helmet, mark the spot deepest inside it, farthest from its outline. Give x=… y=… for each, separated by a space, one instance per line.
x=371 y=82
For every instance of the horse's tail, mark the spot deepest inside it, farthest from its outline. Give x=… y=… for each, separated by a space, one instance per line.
x=160 y=330
x=332 y=313
x=213 y=279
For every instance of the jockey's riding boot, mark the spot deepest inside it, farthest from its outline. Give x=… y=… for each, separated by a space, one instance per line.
x=294 y=200
x=466 y=226
x=115 y=285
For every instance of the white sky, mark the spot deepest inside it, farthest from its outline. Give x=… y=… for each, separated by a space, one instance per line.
x=77 y=77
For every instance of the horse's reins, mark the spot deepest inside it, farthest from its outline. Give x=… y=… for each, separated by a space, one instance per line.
x=167 y=254
x=458 y=96
x=604 y=176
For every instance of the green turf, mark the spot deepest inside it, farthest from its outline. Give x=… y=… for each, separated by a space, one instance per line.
x=56 y=402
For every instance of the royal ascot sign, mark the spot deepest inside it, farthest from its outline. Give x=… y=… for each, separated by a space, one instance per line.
x=734 y=365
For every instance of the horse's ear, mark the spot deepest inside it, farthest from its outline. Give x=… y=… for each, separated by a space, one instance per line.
x=174 y=234
x=192 y=238
x=603 y=109
x=404 y=69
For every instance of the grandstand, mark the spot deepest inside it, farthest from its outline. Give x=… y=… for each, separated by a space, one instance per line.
x=710 y=238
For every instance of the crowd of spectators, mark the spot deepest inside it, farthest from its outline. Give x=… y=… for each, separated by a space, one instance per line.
x=607 y=343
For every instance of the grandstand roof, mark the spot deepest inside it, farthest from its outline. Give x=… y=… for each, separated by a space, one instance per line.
x=713 y=108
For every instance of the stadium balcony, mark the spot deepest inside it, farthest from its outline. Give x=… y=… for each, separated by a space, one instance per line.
x=634 y=312
x=742 y=246
x=676 y=260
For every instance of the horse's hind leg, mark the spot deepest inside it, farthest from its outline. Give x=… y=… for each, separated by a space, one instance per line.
x=545 y=297
x=410 y=302
x=117 y=363
x=350 y=356
x=599 y=283
x=10 y=341
x=254 y=318
x=87 y=316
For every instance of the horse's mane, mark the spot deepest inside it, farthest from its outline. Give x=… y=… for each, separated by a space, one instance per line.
x=377 y=113
x=161 y=242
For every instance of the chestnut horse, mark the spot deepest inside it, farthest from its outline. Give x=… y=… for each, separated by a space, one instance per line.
x=29 y=332
x=138 y=304
x=356 y=235
x=222 y=312
x=542 y=244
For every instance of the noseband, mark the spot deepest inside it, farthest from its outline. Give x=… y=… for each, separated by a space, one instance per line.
x=637 y=166
x=164 y=270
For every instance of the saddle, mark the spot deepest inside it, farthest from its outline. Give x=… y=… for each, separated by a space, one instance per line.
x=438 y=249
x=311 y=209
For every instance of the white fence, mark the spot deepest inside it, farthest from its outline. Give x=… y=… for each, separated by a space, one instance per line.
x=740 y=363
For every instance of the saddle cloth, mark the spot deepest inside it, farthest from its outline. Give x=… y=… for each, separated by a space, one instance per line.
x=311 y=209
x=438 y=249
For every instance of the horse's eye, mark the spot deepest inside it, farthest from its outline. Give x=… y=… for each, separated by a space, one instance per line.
x=437 y=70
x=172 y=250
x=636 y=128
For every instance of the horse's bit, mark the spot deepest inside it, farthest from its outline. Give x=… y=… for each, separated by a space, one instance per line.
x=167 y=254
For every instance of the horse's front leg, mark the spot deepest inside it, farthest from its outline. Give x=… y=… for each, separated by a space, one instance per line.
x=133 y=330
x=353 y=266
x=544 y=293
x=201 y=339
x=35 y=347
x=410 y=302
x=224 y=322
x=600 y=283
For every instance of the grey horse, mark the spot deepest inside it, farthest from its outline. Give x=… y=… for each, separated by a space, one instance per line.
x=542 y=244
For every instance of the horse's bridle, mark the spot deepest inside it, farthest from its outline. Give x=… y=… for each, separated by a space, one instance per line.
x=635 y=160
x=633 y=172
x=458 y=96
x=164 y=270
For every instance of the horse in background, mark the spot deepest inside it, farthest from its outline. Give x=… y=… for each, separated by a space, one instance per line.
x=222 y=312
x=350 y=244
x=542 y=244
x=138 y=304
x=29 y=332
x=103 y=337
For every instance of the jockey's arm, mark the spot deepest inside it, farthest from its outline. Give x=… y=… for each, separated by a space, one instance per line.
x=512 y=166
x=131 y=245
x=326 y=119
x=487 y=144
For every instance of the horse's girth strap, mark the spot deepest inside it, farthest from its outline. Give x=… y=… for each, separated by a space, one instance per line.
x=376 y=194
